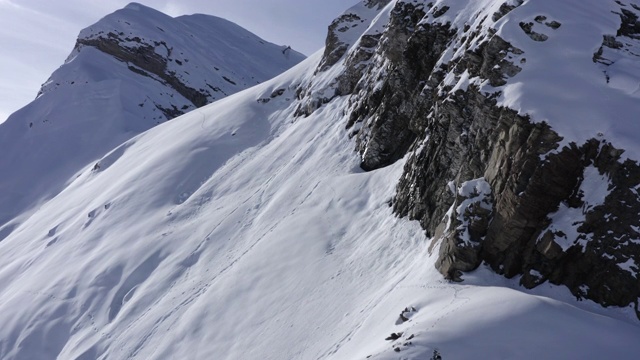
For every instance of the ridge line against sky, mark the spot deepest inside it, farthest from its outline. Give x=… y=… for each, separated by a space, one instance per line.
x=38 y=35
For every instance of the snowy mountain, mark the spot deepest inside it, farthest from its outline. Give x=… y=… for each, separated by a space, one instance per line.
x=250 y=229
x=130 y=71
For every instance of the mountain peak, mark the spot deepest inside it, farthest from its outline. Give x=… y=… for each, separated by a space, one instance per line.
x=130 y=71
x=139 y=7
x=172 y=49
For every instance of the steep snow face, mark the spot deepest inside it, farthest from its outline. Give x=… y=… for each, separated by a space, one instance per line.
x=132 y=70
x=241 y=231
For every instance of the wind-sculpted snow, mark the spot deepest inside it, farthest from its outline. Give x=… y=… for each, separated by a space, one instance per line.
x=243 y=231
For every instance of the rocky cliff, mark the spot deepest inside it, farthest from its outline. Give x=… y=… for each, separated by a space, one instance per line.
x=509 y=161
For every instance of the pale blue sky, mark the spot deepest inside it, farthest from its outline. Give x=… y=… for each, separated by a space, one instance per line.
x=37 y=35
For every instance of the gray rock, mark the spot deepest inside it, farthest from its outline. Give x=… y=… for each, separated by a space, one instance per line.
x=553 y=24
x=335 y=49
x=144 y=60
x=527 y=27
x=505 y=8
x=394 y=98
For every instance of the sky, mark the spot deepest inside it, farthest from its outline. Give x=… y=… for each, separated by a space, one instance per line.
x=37 y=35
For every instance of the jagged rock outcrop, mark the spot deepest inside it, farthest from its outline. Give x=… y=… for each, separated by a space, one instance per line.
x=351 y=29
x=338 y=39
x=488 y=183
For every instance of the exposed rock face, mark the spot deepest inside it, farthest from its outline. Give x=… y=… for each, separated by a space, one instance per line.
x=335 y=49
x=143 y=59
x=386 y=114
x=349 y=28
x=336 y=46
x=488 y=184
x=535 y=36
x=393 y=82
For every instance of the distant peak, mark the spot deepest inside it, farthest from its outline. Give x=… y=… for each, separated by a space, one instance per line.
x=137 y=7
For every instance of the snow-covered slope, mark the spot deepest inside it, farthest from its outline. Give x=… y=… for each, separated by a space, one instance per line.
x=130 y=71
x=242 y=231
x=246 y=235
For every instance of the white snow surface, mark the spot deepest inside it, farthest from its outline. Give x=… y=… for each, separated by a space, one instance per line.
x=237 y=231
x=94 y=102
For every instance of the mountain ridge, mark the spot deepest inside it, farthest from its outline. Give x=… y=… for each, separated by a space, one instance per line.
x=249 y=228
